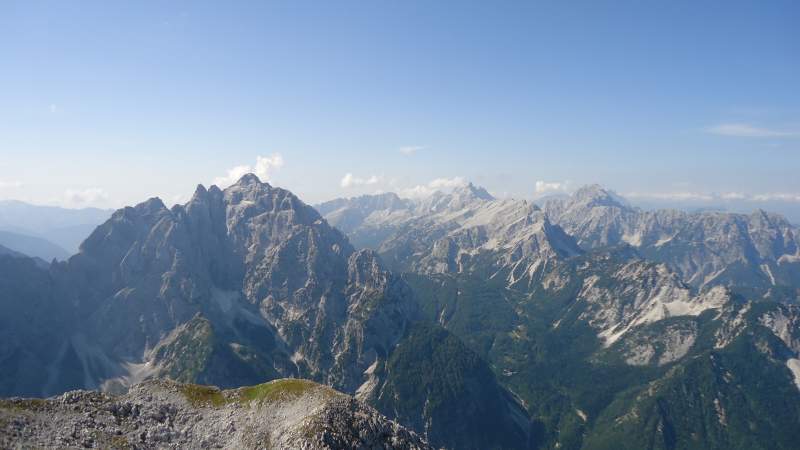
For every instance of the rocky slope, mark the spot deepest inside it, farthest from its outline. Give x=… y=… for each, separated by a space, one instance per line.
x=286 y=413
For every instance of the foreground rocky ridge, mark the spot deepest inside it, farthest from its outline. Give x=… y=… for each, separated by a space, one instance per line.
x=281 y=414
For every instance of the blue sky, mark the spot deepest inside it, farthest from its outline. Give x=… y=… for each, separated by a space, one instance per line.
x=107 y=103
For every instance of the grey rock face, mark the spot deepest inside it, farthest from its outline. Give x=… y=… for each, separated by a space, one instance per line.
x=283 y=414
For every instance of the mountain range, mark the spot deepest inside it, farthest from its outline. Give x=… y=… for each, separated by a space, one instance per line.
x=757 y=254
x=474 y=322
x=46 y=232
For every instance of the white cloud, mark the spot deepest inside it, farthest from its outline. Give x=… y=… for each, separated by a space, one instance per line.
x=85 y=197
x=440 y=183
x=263 y=169
x=418 y=191
x=750 y=131
x=179 y=199
x=542 y=188
x=266 y=164
x=706 y=197
x=10 y=184
x=733 y=196
x=411 y=149
x=424 y=190
x=781 y=197
x=672 y=196
x=348 y=180
x=232 y=176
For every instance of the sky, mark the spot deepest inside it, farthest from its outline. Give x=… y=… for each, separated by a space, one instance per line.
x=682 y=102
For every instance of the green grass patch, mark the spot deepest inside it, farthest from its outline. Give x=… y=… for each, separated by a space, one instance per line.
x=273 y=391
x=198 y=395
x=285 y=389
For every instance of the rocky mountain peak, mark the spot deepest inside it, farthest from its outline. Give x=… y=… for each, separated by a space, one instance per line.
x=596 y=195
x=768 y=219
x=248 y=179
x=387 y=201
x=150 y=206
x=200 y=191
x=459 y=198
x=471 y=191
x=348 y=213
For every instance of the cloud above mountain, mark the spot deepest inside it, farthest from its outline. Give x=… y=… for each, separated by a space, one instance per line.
x=411 y=149
x=695 y=196
x=263 y=168
x=85 y=197
x=542 y=188
x=437 y=184
x=349 y=180
x=10 y=184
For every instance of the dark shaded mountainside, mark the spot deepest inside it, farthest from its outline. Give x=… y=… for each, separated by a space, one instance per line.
x=237 y=287
x=618 y=328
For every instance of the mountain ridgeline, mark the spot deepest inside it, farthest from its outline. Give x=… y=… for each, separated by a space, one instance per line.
x=474 y=322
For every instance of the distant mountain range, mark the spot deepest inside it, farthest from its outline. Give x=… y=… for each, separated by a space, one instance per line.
x=475 y=322
x=754 y=254
x=46 y=232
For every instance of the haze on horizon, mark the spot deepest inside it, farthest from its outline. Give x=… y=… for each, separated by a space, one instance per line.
x=680 y=104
